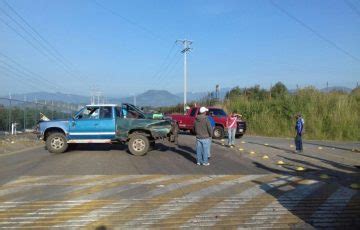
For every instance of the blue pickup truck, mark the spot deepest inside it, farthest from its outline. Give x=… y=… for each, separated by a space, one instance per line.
x=107 y=123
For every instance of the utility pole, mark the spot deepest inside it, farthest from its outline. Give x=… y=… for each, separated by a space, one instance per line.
x=135 y=99
x=217 y=92
x=186 y=43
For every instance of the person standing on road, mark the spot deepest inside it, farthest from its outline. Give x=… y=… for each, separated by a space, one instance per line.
x=299 y=127
x=212 y=123
x=203 y=133
x=231 y=126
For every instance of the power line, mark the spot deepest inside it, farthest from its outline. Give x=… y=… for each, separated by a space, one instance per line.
x=320 y=36
x=21 y=78
x=49 y=54
x=37 y=33
x=18 y=67
x=156 y=75
x=162 y=73
x=39 y=43
x=31 y=43
x=352 y=6
x=135 y=24
x=168 y=74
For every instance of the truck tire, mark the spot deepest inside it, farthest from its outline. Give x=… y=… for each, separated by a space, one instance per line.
x=218 y=132
x=56 y=143
x=138 y=145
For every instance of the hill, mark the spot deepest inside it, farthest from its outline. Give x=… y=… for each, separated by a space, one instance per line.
x=154 y=98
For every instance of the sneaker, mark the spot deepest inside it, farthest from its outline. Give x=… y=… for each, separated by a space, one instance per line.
x=206 y=164
x=198 y=163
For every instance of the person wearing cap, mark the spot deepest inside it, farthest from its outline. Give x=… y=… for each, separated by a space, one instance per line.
x=299 y=127
x=203 y=133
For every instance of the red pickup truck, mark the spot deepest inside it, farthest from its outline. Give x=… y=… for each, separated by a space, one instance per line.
x=186 y=122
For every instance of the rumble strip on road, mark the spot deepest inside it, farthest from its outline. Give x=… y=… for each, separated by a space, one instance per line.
x=187 y=201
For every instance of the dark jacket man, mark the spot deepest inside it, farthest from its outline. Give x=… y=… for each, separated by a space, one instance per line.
x=202 y=127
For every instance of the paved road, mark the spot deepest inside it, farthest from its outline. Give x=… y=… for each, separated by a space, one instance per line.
x=102 y=186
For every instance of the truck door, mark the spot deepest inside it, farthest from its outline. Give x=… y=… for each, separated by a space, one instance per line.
x=93 y=123
x=106 y=124
x=85 y=124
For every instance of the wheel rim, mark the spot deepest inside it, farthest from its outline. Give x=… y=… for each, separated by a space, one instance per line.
x=57 y=143
x=138 y=145
x=217 y=133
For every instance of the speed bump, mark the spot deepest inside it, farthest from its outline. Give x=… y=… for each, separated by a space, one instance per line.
x=240 y=149
x=324 y=176
x=222 y=140
x=320 y=147
x=266 y=144
x=299 y=168
x=265 y=157
x=243 y=142
x=280 y=162
x=292 y=146
x=355 y=186
x=222 y=144
x=252 y=152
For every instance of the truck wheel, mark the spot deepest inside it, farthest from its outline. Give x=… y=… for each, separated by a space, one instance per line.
x=56 y=143
x=139 y=145
x=218 y=132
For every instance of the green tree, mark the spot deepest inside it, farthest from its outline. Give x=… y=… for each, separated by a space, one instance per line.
x=278 y=90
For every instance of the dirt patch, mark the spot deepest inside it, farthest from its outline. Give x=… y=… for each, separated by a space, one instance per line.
x=13 y=143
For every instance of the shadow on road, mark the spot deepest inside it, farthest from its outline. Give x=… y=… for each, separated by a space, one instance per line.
x=272 y=146
x=96 y=147
x=303 y=200
x=185 y=151
x=326 y=145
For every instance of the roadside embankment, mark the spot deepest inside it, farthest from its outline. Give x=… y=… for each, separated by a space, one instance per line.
x=14 y=143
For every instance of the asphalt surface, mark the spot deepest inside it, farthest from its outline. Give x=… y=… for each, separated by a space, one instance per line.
x=105 y=187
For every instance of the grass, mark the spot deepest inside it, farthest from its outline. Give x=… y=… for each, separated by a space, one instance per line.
x=328 y=116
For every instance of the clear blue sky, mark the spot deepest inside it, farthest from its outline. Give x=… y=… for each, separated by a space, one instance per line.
x=235 y=43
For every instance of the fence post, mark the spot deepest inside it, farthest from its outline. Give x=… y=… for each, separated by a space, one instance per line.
x=52 y=110
x=9 y=113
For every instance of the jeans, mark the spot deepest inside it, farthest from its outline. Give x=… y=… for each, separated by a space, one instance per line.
x=202 y=149
x=209 y=149
x=298 y=142
x=231 y=136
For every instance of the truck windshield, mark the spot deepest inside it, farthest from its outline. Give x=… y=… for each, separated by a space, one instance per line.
x=88 y=113
x=133 y=111
x=217 y=112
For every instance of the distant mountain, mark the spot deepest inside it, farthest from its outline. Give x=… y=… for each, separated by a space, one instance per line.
x=336 y=88
x=69 y=98
x=154 y=98
x=191 y=96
